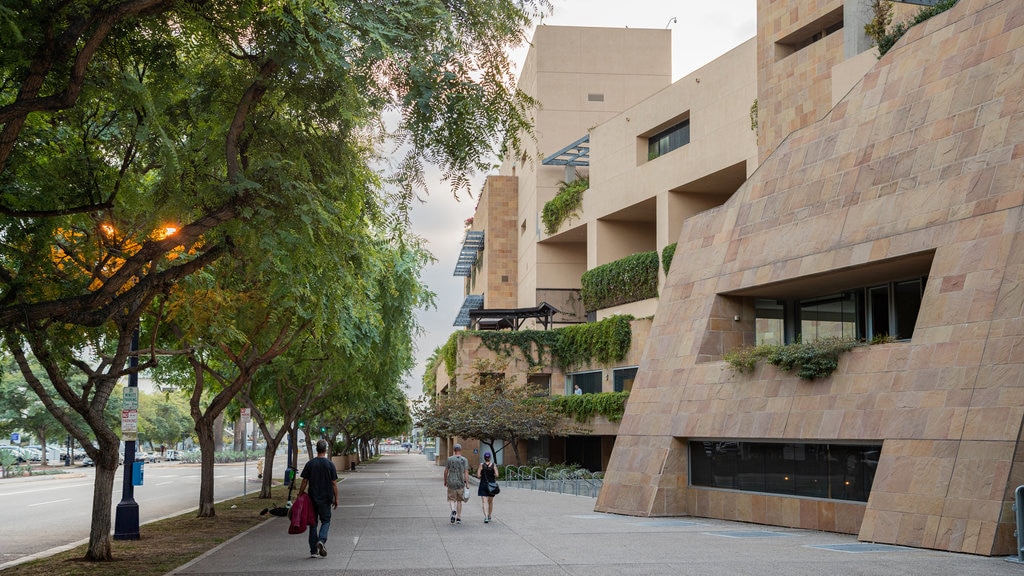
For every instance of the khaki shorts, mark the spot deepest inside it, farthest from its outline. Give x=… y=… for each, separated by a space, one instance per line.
x=456 y=495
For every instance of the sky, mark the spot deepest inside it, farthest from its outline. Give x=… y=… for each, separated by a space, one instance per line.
x=701 y=31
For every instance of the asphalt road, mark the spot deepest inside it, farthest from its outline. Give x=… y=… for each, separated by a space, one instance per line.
x=39 y=514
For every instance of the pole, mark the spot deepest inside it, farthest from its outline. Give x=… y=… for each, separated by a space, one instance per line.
x=126 y=519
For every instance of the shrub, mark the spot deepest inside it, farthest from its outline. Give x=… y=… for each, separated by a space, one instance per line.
x=876 y=29
x=582 y=407
x=566 y=204
x=666 y=256
x=817 y=359
x=626 y=280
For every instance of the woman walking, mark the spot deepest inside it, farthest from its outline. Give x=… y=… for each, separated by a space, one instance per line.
x=487 y=472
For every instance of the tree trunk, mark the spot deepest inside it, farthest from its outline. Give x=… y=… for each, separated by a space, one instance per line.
x=102 y=495
x=204 y=429
x=268 y=468
x=218 y=433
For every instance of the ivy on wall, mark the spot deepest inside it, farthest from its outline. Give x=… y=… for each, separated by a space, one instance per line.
x=628 y=279
x=666 y=256
x=566 y=204
x=583 y=407
x=605 y=342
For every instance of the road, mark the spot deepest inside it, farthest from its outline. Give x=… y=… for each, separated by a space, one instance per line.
x=39 y=514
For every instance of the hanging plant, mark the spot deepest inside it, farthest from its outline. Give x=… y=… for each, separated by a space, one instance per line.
x=566 y=204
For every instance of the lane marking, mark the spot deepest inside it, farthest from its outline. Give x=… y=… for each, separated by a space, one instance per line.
x=50 y=502
x=46 y=489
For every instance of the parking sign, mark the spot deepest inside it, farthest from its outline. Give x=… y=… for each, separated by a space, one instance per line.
x=15 y=438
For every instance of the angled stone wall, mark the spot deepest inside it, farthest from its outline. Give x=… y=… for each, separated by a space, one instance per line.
x=919 y=167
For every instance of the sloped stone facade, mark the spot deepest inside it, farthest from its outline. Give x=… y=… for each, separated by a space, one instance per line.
x=920 y=166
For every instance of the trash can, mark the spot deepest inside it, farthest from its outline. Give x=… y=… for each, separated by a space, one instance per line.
x=352 y=466
x=289 y=475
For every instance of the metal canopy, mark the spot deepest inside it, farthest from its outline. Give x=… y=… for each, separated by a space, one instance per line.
x=471 y=246
x=472 y=302
x=575 y=154
x=512 y=318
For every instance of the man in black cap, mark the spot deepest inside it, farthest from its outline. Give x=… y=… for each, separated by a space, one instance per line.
x=456 y=478
x=321 y=477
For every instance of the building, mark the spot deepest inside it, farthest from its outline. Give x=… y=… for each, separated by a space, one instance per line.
x=897 y=212
x=878 y=198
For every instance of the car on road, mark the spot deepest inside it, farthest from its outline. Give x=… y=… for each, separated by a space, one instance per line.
x=171 y=455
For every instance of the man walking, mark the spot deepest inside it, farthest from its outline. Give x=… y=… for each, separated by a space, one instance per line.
x=320 y=475
x=456 y=478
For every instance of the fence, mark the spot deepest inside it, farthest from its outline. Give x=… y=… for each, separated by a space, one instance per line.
x=561 y=480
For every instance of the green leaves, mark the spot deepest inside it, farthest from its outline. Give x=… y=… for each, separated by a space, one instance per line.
x=566 y=204
x=628 y=279
x=811 y=360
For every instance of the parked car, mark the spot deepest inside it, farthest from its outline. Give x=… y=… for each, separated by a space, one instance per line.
x=16 y=451
x=171 y=455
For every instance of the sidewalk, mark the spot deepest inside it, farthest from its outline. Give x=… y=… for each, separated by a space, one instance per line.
x=393 y=520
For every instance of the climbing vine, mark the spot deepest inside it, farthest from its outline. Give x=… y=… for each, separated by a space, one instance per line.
x=628 y=279
x=582 y=407
x=566 y=204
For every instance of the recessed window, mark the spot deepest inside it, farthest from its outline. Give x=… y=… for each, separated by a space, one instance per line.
x=668 y=140
x=589 y=382
x=887 y=310
x=623 y=378
x=595 y=97
x=833 y=471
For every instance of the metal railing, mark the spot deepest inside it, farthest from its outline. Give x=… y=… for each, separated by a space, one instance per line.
x=561 y=480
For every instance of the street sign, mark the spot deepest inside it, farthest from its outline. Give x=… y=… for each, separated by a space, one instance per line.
x=131 y=398
x=245 y=414
x=129 y=425
x=15 y=438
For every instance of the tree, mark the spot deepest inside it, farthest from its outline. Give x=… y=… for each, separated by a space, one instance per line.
x=493 y=409
x=163 y=418
x=222 y=120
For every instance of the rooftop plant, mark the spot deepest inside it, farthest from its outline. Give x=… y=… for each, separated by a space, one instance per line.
x=878 y=28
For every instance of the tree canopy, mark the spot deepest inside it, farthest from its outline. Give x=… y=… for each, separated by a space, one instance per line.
x=143 y=141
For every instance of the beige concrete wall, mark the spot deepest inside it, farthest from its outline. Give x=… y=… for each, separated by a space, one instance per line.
x=563 y=69
x=922 y=159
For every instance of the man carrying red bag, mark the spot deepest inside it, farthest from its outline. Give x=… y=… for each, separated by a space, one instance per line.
x=321 y=477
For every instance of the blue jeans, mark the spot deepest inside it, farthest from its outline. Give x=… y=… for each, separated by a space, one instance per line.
x=323 y=516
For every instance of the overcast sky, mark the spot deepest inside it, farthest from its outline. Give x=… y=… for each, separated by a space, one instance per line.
x=701 y=31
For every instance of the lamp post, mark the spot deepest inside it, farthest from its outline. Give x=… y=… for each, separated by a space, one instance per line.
x=126 y=519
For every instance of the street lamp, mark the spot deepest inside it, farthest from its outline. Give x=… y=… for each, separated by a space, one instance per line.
x=126 y=519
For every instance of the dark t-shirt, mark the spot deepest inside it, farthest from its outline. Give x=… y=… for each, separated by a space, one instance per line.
x=320 y=474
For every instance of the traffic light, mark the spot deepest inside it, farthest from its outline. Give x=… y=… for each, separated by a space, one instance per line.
x=302 y=424
x=323 y=429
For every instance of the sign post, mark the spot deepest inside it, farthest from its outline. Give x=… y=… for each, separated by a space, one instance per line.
x=126 y=518
x=244 y=421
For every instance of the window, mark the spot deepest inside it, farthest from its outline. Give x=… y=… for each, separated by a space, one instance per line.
x=589 y=382
x=623 y=378
x=833 y=471
x=884 y=310
x=668 y=140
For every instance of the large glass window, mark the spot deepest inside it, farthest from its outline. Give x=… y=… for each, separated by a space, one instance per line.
x=668 y=140
x=833 y=471
x=624 y=379
x=885 y=310
x=589 y=382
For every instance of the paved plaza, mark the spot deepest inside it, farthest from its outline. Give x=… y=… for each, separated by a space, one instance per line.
x=393 y=520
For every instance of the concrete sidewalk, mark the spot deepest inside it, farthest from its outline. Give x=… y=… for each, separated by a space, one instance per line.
x=393 y=520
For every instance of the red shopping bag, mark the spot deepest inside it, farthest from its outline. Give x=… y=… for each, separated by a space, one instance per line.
x=301 y=514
